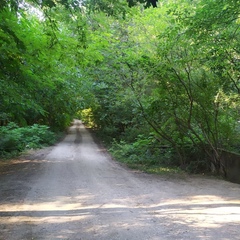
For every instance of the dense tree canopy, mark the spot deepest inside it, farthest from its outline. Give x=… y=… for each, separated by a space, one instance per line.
x=162 y=79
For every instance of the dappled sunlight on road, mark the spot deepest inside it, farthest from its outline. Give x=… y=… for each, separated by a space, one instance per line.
x=77 y=192
x=194 y=212
x=199 y=211
x=42 y=220
x=202 y=211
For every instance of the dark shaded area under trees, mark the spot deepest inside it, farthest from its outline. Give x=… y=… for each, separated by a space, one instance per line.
x=148 y=3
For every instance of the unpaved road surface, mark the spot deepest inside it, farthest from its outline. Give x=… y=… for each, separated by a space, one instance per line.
x=76 y=191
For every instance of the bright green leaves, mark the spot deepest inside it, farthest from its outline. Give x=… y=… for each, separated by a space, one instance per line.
x=39 y=75
x=171 y=71
x=195 y=65
x=177 y=68
x=14 y=138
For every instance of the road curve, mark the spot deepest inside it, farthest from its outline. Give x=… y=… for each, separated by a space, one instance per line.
x=76 y=191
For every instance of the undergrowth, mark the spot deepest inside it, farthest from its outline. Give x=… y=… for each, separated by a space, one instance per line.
x=15 y=139
x=145 y=155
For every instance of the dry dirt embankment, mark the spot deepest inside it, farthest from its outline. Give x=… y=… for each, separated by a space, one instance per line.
x=75 y=191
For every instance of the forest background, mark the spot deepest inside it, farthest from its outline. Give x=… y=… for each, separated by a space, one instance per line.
x=159 y=81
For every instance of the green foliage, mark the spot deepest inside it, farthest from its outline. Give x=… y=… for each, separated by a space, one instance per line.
x=37 y=53
x=172 y=71
x=145 y=154
x=143 y=151
x=14 y=139
x=109 y=7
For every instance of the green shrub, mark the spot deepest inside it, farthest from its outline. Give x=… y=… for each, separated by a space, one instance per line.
x=10 y=139
x=15 y=139
x=10 y=142
x=144 y=150
x=38 y=135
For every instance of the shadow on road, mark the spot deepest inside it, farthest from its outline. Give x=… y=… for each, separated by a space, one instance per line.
x=76 y=192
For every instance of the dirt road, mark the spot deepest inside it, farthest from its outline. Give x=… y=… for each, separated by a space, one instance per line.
x=75 y=191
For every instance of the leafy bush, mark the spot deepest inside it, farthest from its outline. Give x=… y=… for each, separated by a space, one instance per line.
x=10 y=139
x=143 y=151
x=15 y=139
x=37 y=135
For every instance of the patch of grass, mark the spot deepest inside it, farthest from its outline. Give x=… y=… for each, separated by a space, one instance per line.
x=163 y=170
x=142 y=156
x=155 y=169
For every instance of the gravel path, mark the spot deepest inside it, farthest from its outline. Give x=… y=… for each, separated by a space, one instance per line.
x=75 y=191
